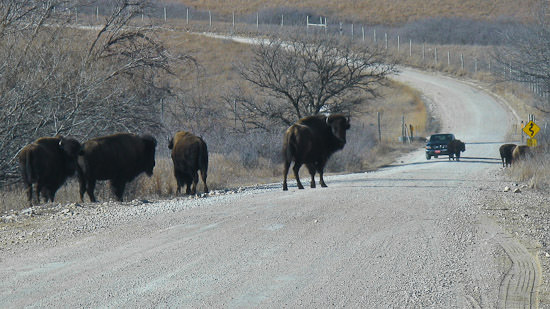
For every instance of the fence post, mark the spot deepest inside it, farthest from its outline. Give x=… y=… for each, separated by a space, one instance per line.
x=462 y=61
x=164 y=14
x=187 y=16
x=386 y=39
x=282 y=20
x=233 y=20
x=435 y=55
x=410 y=48
x=97 y=13
x=76 y=15
x=475 y=65
x=374 y=35
x=403 y=128
x=352 y=32
x=379 y=131
x=363 y=32
x=210 y=18
x=257 y=20
x=398 y=45
x=423 y=51
x=448 y=58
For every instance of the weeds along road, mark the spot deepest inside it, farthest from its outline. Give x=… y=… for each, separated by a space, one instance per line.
x=410 y=235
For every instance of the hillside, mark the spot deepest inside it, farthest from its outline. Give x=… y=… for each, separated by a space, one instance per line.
x=375 y=11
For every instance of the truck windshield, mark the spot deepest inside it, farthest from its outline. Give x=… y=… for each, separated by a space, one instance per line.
x=441 y=138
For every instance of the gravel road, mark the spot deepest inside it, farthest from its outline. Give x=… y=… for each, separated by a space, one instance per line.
x=415 y=234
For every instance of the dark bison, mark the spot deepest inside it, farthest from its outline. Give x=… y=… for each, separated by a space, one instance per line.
x=48 y=162
x=506 y=154
x=455 y=147
x=118 y=158
x=311 y=141
x=520 y=152
x=189 y=155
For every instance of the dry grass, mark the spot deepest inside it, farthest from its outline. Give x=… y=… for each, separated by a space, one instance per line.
x=374 y=11
x=534 y=170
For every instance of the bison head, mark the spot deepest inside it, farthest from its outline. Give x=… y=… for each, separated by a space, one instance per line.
x=339 y=124
x=71 y=149
x=150 y=145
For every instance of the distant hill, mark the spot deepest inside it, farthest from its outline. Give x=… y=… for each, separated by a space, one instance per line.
x=376 y=11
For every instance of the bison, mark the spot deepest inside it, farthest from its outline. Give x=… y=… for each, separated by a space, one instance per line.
x=506 y=154
x=48 y=162
x=519 y=152
x=311 y=141
x=118 y=158
x=189 y=155
x=454 y=148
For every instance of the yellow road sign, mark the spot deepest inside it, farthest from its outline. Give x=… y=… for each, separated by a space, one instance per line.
x=531 y=129
x=531 y=142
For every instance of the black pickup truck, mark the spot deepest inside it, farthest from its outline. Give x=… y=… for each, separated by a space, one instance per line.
x=437 y=145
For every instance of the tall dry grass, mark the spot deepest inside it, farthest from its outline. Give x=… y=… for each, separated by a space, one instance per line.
x=534 y=169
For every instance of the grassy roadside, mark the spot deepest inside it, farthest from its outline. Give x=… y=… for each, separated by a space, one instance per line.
x=217 y=59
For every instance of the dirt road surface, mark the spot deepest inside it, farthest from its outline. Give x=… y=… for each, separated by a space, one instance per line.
x=410 y=235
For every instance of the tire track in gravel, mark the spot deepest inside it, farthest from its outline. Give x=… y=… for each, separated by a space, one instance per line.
x=518 y=288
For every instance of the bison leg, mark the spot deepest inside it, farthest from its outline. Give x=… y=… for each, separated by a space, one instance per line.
x=118 y=188
x=38 y=191
x=458 y=156
x=90 y=190
x=82 y=184
x=320 y=168
x=195 y=181
x=29 y=193
x=179 y=183
x=203 y=177
x=311 y=169
x=285 y=172
x=296 y=169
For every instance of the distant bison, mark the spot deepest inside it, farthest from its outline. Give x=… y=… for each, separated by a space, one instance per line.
x=311 y=141
x=506 y=154
x=118 y=158
x=520 y=152
x=454 y=148
x=189 y=155
x=48 y=162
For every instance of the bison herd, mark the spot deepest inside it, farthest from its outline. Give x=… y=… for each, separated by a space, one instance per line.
x=119 y=158
x=510 y=153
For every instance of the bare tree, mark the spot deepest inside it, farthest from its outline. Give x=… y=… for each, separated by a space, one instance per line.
x=308 y=75
x=57 y=77
x=525 y=55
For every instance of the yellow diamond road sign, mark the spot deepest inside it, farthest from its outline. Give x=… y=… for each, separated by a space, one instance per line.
x=531 y=129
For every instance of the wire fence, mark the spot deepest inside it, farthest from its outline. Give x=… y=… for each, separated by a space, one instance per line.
x=465 y=60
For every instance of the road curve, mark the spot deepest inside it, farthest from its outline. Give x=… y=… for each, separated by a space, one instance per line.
x=410 y=235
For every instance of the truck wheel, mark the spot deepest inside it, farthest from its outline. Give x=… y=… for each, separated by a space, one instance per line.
x=428 y=157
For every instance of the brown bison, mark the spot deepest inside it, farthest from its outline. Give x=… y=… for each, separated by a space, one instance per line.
x=506 y=154
x=189 y=155
x=519 y=152
x=48 y=162
x=311 y=141
x=118 y=158
x=455 y=147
